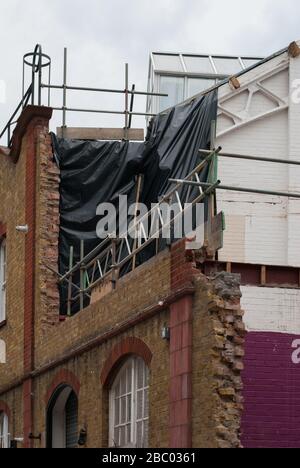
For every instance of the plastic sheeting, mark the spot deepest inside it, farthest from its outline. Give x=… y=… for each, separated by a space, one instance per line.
x=94 y=172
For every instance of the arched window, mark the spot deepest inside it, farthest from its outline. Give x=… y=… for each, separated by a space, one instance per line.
x=62 y=419
x=4 y=431
x=129 y=405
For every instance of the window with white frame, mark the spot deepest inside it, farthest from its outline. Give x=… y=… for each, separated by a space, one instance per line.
x=2 y=280
x=129 y=406
x=4 y=434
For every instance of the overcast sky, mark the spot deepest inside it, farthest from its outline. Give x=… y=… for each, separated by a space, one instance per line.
x=101 y=35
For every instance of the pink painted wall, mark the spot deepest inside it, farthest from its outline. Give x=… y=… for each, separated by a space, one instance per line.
x=271 y=417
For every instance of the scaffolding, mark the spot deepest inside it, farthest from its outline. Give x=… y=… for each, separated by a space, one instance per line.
x=116 y=252
x=120 y=251
x=38 y=62
x=110 y=256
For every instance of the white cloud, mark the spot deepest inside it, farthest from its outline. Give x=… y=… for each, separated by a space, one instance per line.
x=102 y=35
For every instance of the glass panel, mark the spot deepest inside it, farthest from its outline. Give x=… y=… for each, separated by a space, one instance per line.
x=71 y=421
x=123 y=440
x=146 y=434
x=197 y=85
x=139 y=405
x=139 y=434
x=129 y=408
x=146 y=404
x=227 y=66
x=140 y=373
x=129 y=378
x=117 y=390
x=128 y=433
x=174 y=87
x=117 y=411
x=168 y=63
x=123 y=410
x=250 y=62
x=123 y=384
x=198 y=64
x=116 y=440
x=147 y=376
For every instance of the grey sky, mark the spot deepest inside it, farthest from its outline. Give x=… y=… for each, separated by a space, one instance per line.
x=102 y=35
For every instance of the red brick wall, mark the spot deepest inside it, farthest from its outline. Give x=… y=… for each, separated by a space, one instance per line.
x=271 y=417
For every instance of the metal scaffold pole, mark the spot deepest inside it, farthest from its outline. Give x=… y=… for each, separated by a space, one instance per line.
x=64 y=108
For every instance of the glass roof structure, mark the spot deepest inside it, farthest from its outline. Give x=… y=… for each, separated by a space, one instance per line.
x=184 y=75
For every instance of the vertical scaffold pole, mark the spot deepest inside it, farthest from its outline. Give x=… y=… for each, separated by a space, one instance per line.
x=64 y=119
x=69 y=312
x=212 y=176
x=82 y=271
x=114 y=263
x=126 y=101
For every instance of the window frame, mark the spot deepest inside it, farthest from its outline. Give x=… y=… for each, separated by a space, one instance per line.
x=131 y=363
x=4 y=431
x=3 y=278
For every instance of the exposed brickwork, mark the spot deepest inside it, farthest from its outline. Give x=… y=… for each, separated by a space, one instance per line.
x=47 y=237
x=37 y=128
x=183 y=265
x=218 y=339
x=122 y=349
x=29 y=272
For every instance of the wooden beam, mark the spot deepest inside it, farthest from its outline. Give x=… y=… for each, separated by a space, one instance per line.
x=78 y=133
x=263 y=275
x=234 y=82
x=294 y=50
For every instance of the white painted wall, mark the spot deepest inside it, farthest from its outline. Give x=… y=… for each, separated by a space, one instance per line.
x=271 y=309
x=261 y=119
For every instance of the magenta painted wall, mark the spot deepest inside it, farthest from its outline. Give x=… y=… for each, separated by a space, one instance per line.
x=271 y=415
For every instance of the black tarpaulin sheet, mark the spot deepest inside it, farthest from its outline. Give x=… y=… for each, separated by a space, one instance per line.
x=94 y=172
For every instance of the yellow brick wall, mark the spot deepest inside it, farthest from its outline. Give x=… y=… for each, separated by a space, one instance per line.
x=142 y=288
x=12 y=213
x=87 y=369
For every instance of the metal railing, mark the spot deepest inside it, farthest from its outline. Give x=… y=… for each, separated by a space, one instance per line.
x=12 y=121
x=38 y=61
x=128 y=111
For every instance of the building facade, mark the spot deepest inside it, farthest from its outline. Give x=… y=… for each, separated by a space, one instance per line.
x=155 y=362
x=158 y=361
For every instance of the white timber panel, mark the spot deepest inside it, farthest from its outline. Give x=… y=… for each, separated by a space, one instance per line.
x=293 y=242
x=271 y=309
x=255 y=120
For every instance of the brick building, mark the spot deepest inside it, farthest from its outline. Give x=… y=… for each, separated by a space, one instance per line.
x=67 y=378
x=158 y=361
